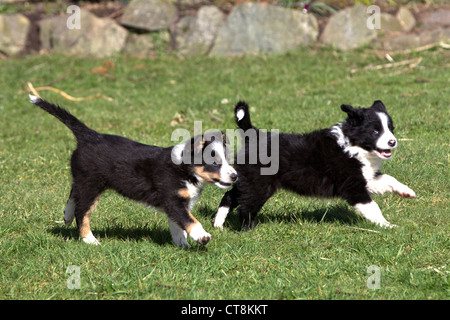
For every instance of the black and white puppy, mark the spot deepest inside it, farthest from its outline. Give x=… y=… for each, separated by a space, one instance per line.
x=341 y=161
x=158 y=177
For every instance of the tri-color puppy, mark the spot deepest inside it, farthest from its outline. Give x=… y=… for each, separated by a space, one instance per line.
x=165 y=178
x=341 y=161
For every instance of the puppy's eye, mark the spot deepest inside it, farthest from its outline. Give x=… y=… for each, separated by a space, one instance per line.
x=375 y=132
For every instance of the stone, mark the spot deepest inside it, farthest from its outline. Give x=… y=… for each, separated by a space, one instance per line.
x=436 y=19
x=347 y=29
x=149 y=15
x=195 y=35
x=13 y=33
x=389 y=23
x=406 y=19
x=411 y=41
x=99 y=37
x=139 y=45
x=253 y=28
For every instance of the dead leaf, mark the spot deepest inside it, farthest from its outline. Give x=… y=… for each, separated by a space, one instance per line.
x=99 y=70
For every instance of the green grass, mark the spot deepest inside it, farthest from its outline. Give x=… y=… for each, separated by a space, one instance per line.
x=302 y=248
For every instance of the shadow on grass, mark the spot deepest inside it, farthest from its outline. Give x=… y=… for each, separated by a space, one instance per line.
x=330 y=214
x=161 y=235
x=158 y=235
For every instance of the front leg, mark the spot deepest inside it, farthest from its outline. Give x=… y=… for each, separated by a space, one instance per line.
x=371 y=211
x=179 y=236
x=385 y=183
x=183 y=223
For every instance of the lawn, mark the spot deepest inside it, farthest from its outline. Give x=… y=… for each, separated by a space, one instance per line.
x=302 y=248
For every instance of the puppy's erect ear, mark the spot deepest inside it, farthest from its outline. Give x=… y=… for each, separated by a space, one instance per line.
x=352 y=113
x=378 y=106
x=347 y=108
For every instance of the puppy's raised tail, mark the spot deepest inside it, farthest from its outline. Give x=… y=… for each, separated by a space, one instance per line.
x=242 y=114
x=79 y=129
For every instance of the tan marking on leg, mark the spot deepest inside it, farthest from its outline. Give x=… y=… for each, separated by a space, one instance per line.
x=85 y=227
x=191 y=225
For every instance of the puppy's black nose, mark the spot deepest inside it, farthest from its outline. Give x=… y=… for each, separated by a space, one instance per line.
x=392 y=143
x=233 y=176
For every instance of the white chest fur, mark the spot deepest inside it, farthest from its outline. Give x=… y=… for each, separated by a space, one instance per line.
x=371 y=163
x=194 y=192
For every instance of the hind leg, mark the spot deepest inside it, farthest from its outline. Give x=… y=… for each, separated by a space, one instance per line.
x=83 y=211
x=250 y=205
x=69 y=212
x=228 y=203
x=83 y=200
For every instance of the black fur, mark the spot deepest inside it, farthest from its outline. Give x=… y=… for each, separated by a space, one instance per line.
x=137 y=171
x=311 y=164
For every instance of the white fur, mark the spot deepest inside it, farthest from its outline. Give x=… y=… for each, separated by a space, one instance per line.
x=179 y=236
x=370 y=161
x=194 y=193
x=240 y=114
x=342 y=140
x=372 y=212
x=33 y=99
x=69 y=212
x=226 y=170
x=197 y=232
x=90 y=239
x=177 y=152
x=382 y=142
x=386 y=183
x=221 y=215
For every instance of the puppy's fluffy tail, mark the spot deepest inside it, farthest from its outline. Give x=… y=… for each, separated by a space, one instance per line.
x=242 y=114
x=79 y=129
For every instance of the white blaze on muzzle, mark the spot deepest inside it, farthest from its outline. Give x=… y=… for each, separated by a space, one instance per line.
x=386 y=142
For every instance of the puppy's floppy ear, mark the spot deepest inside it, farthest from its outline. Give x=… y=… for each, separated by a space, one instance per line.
x=352 y=113
x=225 y=138
x=378 y=106
x=197 y=143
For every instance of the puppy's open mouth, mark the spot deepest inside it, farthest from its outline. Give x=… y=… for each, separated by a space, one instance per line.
x=222 y=183
x=384 y=153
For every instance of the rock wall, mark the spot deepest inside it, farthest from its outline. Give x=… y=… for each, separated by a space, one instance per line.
x=249 y=28
x=252 y=28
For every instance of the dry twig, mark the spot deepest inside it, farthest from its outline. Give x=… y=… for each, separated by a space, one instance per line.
x=34 y=90
x=411 y=63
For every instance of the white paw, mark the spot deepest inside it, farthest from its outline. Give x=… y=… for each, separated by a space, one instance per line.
x=406 y=192
x=221 y=215
x=199 y=234
x=180 y=240
x=179 y=236
x=386 y=224
x=69 y=212
x=90 y=239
